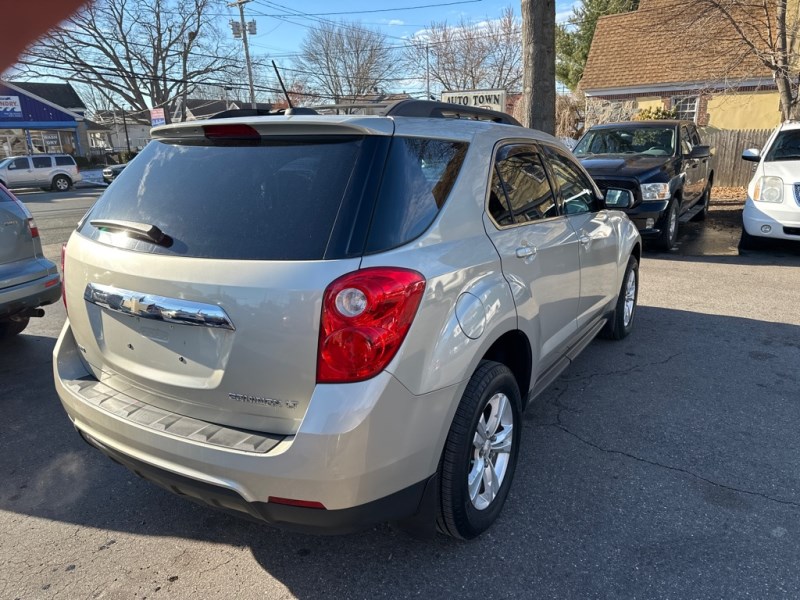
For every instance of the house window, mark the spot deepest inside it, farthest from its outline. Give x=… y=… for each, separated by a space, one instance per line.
x=685 y=107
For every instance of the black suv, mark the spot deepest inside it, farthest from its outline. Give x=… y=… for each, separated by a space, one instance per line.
x=665 y=165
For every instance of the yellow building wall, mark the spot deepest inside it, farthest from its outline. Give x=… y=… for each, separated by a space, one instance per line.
x=749 y=110
x=646 y=102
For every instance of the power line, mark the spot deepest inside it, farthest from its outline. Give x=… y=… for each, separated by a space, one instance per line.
x=381 y=10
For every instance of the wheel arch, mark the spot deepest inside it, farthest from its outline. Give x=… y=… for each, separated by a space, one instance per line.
x=513 y=349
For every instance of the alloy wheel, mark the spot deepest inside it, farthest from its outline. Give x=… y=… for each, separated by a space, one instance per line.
x=491 y=451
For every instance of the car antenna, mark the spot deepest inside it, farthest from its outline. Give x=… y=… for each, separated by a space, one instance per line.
x=283 y=87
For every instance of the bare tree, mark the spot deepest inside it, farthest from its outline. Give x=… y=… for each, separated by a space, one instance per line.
x=134 y=53
x=767 y=30
x=345 y=61
x=539 y=64
x=747 y=34
x=469 y=56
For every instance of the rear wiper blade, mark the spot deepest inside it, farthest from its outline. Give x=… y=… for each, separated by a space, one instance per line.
x=142 y=231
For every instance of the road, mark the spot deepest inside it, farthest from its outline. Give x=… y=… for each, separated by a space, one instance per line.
x=662 y=466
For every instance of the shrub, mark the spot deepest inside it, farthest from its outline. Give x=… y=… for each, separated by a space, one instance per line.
x=655 y=114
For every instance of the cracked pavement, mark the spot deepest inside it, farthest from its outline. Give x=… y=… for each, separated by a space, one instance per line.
x=663 y=466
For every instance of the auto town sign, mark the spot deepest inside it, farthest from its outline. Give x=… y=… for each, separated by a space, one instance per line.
x=493 y=99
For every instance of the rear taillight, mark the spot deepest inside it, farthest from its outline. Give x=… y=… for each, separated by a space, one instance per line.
x=31 y=223
x=235 y=131
x=365 y=318
x=63 y=275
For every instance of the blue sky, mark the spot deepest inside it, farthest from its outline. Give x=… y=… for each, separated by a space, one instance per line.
x=280 y=33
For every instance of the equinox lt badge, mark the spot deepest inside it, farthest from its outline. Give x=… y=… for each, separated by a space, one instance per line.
x=263 y=401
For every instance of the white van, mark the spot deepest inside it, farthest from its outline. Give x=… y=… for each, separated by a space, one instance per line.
x=56 y=172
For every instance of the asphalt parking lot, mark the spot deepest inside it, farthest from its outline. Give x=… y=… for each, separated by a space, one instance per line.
x=663 y=466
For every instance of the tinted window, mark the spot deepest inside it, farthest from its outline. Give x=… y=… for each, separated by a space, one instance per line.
x=4 y=197
x=639 y=139
x=498 y=203
x=524 y=180
x=65 y=161
x=273 y=200
x=686 y=142
x=577 y=192
x=695 y=137
x=418 y=177
x=20 y=163
x=42 y=162
x=785 y=147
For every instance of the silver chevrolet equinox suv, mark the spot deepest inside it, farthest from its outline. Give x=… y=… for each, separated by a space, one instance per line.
x=330 y=321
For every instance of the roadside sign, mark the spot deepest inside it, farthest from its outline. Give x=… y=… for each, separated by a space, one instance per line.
x=157 y=117
x=10 y=107
x=492 y=99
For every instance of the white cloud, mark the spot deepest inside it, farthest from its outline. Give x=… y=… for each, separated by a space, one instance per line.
x=396 y=22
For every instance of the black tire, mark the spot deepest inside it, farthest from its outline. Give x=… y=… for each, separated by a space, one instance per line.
x=705 y=199
x=669 y=234
x=618 y=327
x=61 y=183
x=12 y=327
x=750 y=242
x=458 y=514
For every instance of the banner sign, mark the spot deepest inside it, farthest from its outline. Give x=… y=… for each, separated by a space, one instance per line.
x=492 y=99
x=157 y=117
x=10 y=108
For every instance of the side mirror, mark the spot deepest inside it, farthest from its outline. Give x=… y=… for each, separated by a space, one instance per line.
x=752 y=154
x=618 y=198
x=700 y=152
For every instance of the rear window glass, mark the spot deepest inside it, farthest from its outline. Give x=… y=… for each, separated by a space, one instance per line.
x=785 y=147
x=42 y=162
x=417 y=180
x=65 y=161
x=273 y=200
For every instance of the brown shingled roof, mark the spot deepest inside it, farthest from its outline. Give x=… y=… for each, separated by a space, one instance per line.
x=670 y=42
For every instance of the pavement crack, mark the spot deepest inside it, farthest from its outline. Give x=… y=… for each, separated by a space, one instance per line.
x=560 y=425
x=624 y=371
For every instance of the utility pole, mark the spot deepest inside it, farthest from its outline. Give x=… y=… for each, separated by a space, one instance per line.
x=125 y=125
x=427 y=72
x=242 y=29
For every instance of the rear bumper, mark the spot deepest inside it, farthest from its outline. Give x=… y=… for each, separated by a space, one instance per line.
x=782 y=220
x=365 y=451
x=31 y=294
x=398 y=505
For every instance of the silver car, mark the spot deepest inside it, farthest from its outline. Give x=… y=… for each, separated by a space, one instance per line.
x=28 y=280
x=327 y=322
x=57 y=172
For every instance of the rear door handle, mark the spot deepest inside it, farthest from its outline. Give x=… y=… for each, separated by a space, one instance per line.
x=526 y=251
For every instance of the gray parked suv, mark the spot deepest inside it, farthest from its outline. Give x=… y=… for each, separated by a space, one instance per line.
x=27 y=279
x=328 y=321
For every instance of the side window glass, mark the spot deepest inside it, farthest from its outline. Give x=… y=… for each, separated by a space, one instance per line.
x=498 y=204
x=695 y=137
x=42 y=162
x=524 y=180
x=686 y=144
x=21 y=163
x=577 y=192
x=65 y=161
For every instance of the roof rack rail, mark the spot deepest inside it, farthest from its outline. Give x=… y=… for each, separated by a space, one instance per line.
x=434 y=109
x=399 y=108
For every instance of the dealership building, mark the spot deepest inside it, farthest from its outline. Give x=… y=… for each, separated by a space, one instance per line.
x=42 y=118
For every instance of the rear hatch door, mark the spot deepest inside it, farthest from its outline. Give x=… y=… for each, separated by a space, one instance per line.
x=219 y=319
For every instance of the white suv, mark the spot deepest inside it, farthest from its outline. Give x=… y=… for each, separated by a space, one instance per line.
x=331 y=321
x=772 y=209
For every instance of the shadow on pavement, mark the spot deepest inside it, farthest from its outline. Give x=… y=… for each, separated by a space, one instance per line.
x=648 y=465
